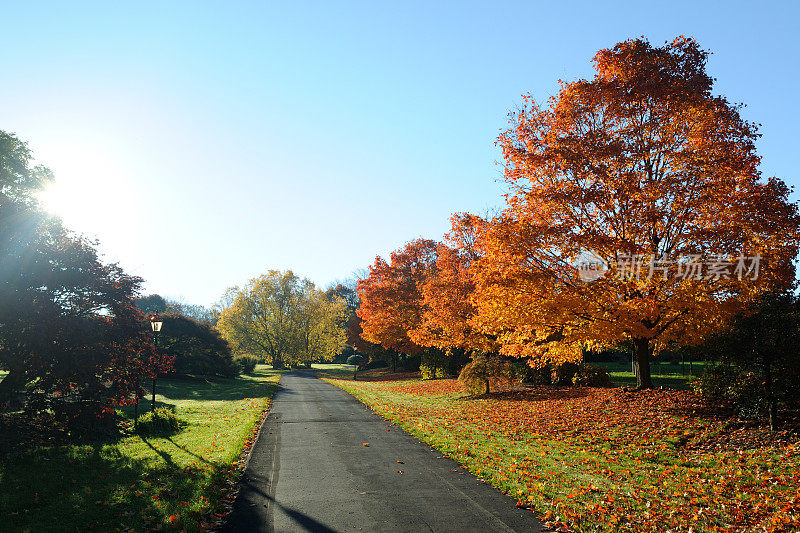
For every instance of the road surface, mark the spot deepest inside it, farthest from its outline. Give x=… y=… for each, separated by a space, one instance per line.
x=309 y=471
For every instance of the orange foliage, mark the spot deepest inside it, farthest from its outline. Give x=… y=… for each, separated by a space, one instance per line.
x=391 y=297
x=448 y=308
x=641 y=162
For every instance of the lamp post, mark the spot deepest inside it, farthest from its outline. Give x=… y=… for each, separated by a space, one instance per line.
x=155 y=323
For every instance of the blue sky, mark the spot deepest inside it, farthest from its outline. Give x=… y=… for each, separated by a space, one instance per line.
x=204 y=143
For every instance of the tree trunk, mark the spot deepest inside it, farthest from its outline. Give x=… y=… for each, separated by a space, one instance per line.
x=277 y=362
x=772 y=403
x=643 y=380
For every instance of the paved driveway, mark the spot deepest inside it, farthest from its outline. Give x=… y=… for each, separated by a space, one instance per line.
x=309 y=471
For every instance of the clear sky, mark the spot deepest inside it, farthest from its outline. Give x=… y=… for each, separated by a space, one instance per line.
x=204 y=143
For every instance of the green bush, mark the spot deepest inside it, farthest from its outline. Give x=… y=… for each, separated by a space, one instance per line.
x=483 y=372
x=160 y=422
x=743 y=389
x=433 y=364
x=198 y=348
x=410 y=363
x=592 y=376
x=247 y=363
x=355 y=359
x=563 y=373
x=527 y=374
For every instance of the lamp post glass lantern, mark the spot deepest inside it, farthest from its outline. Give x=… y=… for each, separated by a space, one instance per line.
x=155 y=324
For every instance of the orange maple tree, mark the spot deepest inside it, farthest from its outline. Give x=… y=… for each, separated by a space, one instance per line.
x=448 y=308
x=651 y=178
x=391 y=300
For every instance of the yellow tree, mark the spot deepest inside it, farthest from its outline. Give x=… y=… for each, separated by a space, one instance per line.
x=283 y=319
x=319 y=320
x=637 y=213
x=259 y=317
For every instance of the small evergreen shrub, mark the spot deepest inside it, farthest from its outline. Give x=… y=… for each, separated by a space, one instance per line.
x=247 y=363
x=433 y=365
x=410 y=363
x=563 y=373
x=742 y=389
x=592 y=376
x=355 y=359
x=527 y=374
x=161 y=422
x=484 y=372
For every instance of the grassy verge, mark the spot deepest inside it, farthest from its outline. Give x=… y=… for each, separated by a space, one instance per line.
x=137 y=483
x=334 y=369
x=663 y=374
x=602 y=459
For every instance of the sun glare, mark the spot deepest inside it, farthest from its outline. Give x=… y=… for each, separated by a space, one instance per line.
x=83 y=192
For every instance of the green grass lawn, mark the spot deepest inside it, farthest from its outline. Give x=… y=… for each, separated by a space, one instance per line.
x=141 y=483
x=334 y=368
x=603 y=459
x=664 y=374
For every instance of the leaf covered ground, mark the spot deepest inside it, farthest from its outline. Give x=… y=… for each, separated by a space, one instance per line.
x=180 y=482
x=589 y=459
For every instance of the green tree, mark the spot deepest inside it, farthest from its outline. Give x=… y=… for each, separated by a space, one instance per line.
x=758 y=354
x=197 y=347
x=320 y=325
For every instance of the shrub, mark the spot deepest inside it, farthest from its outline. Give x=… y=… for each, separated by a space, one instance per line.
x=162 y=421
x=410 y=363
x=592 y=376
x=433 y=364
x=198 y=348
x=355 y=359
x=743 y=389
x=480 y=374
x=247 y=363
x=527 y=374
x=563 y=373
x=377 y=363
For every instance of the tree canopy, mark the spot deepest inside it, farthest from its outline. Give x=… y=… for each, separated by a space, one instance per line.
x=69 y=329
x=636 y=213
x=654 y=176
x=283 y=319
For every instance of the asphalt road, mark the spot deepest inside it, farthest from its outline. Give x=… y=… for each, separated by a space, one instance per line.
x=309 y=471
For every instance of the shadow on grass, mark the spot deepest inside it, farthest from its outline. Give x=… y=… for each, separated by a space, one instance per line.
x=669 y=381
x=378 y=374
x=215 y=389
x=76 y=488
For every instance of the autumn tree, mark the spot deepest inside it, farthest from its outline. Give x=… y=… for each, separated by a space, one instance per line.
x=392 y=303
x=448 y=309
x=70 y=334
x=282 y=318
x=320 y=326
x=391 y=296
x=644 y=175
